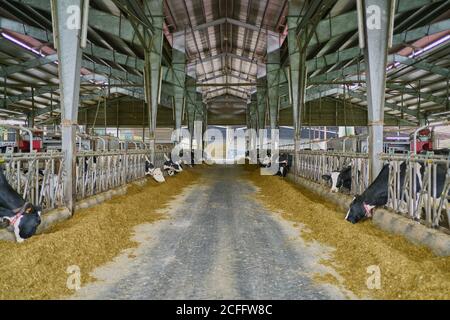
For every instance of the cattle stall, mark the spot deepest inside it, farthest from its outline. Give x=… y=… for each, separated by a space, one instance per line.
x=421 y=192
x=38 y=177
x=313 y=165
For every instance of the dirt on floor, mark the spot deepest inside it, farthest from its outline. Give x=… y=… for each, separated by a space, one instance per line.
x=37 y=268
x=407 y=271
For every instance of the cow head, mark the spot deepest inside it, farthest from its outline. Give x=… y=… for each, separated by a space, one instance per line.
x=359 y=210
x=158 y=175
x=333 y=178
x=24 y=223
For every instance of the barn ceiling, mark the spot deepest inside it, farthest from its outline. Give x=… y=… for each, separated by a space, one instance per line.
x=226 y=46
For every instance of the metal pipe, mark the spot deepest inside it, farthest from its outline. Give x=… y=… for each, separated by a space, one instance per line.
x=84 y=25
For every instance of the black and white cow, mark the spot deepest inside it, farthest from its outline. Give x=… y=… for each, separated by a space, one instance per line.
x=340 y=179
x=150 y=170
x=377 y=194
x=171 y=167
x=284 y=165
x=22 y=216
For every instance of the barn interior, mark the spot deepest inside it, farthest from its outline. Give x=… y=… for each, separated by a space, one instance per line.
x=94 y=95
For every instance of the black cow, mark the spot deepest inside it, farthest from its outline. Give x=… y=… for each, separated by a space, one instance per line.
x=340 y=179
x=284 y=165
x=377 y=194
x=21 y=215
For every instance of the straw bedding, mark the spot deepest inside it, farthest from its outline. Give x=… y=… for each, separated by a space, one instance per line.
x=407 y=271
x=36 y=269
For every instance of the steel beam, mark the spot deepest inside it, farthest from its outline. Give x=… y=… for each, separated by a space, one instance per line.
x=348 y=22
x=423 y=65
x=398 y=39
x=29 y=64
x=69 y=56
x=100 y=20
x=224 y=55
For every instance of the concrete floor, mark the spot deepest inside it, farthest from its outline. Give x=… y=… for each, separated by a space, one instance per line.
x=218 y=243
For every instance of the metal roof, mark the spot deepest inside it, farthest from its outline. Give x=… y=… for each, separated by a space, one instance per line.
x=226 y=41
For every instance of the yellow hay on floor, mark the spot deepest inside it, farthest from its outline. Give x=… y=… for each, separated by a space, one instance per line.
x=36 y=269
x=407 y=271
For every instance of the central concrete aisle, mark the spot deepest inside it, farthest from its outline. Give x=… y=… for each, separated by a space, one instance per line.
x=218 y=243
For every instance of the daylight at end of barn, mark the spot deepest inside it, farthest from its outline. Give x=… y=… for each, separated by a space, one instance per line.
x=225 y=150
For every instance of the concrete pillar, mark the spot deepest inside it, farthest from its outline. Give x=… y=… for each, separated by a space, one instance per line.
x=67 y=39
x=375 y=23
x=273 y=76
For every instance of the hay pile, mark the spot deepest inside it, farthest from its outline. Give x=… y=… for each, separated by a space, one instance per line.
x=36 y=269
x=407 y=271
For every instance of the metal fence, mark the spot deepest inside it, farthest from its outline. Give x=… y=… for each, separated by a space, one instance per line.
x=98 y=172
x=313 y=165
x=37 y=177
x=160 y=151
x=421 y=191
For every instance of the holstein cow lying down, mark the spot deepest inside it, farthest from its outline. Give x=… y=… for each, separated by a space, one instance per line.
x=150 y=170
x=171 y=167
x=340 y=179
x=22 y=216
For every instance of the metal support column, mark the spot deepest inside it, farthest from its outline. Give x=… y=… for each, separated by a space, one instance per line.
x=68 y=34
x=179 y=73
x=261 y=93
x=191 y=105
x=376 y=21
x=273 y=76
x=297 y=73
x=152 y=68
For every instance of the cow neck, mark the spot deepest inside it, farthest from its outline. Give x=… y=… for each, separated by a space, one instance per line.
x=367 y=210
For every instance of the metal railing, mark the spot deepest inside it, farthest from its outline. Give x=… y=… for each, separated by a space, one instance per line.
x=101 y=171
x=415 y=193
x=37 y=177
x=160 y=151
x=313 y=165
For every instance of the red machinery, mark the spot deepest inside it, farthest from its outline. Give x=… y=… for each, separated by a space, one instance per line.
x=18 y=138
x=424 y=141
x=24 y=141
